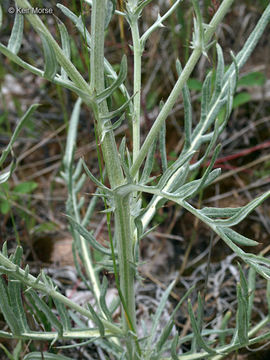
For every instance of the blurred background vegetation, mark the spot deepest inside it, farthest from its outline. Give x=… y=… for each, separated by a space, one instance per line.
x=32 y=203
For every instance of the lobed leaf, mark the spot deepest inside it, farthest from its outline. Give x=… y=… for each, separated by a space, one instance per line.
x=243 y=211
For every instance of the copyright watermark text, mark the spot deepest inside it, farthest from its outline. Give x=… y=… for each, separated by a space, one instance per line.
x=26 y=11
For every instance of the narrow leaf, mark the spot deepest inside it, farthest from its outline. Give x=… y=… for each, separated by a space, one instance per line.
x=17 y=256
x=149 y=163
x=187 y=108
x=5 y=175
x=223 y=326
x=110 y=11
x=206 y=93
x=65 y=41
x=219 y=72
x=174 y=348
x=117 y=112
x=14 y=289
x=46 y=311
x=214 y=213
x=97 y=320
x=45 y=356
x=102 y=299
x=241 y=317
x=6 y=309
x=49 y=57
x=197 y=332
x=162 y=147
x=117 y=82
x=94 y=179
x=251 y=290
x=88 y=236
x=17 y=130
x=238 y=238
x=158 y=313
x=63 y=313
x=15 y=39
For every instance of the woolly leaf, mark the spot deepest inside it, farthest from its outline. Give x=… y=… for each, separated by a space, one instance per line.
x=187 y=108
x=149 y=163
x=243 y=211
x=242 y=317
x=15 y=39
x=96 y=319
x=102 y=299
x=63 y=313
x=111 y=5
x=65 y=40
x=214 y=213
x=238 y=238
x=14 y=290
x=45 y=356
x=162 y=147
x=112 y=114
x=49 y=57
x=197 y=332
x=219 y=72
x=7 y=311
x=88 y=236
x=117 y=82
x=44 y=308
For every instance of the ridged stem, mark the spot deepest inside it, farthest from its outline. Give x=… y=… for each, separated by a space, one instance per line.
x=165 y=111
x=137 y=54
x=116 y=178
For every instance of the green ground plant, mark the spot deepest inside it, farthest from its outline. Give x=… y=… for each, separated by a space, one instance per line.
x=129 y=173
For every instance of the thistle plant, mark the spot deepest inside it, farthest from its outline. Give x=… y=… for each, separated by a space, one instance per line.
x=129 y=173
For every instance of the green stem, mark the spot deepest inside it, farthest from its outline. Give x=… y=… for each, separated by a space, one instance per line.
x=165 y=111
x=97 y=85
x=116 y=178
x=137 y=51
